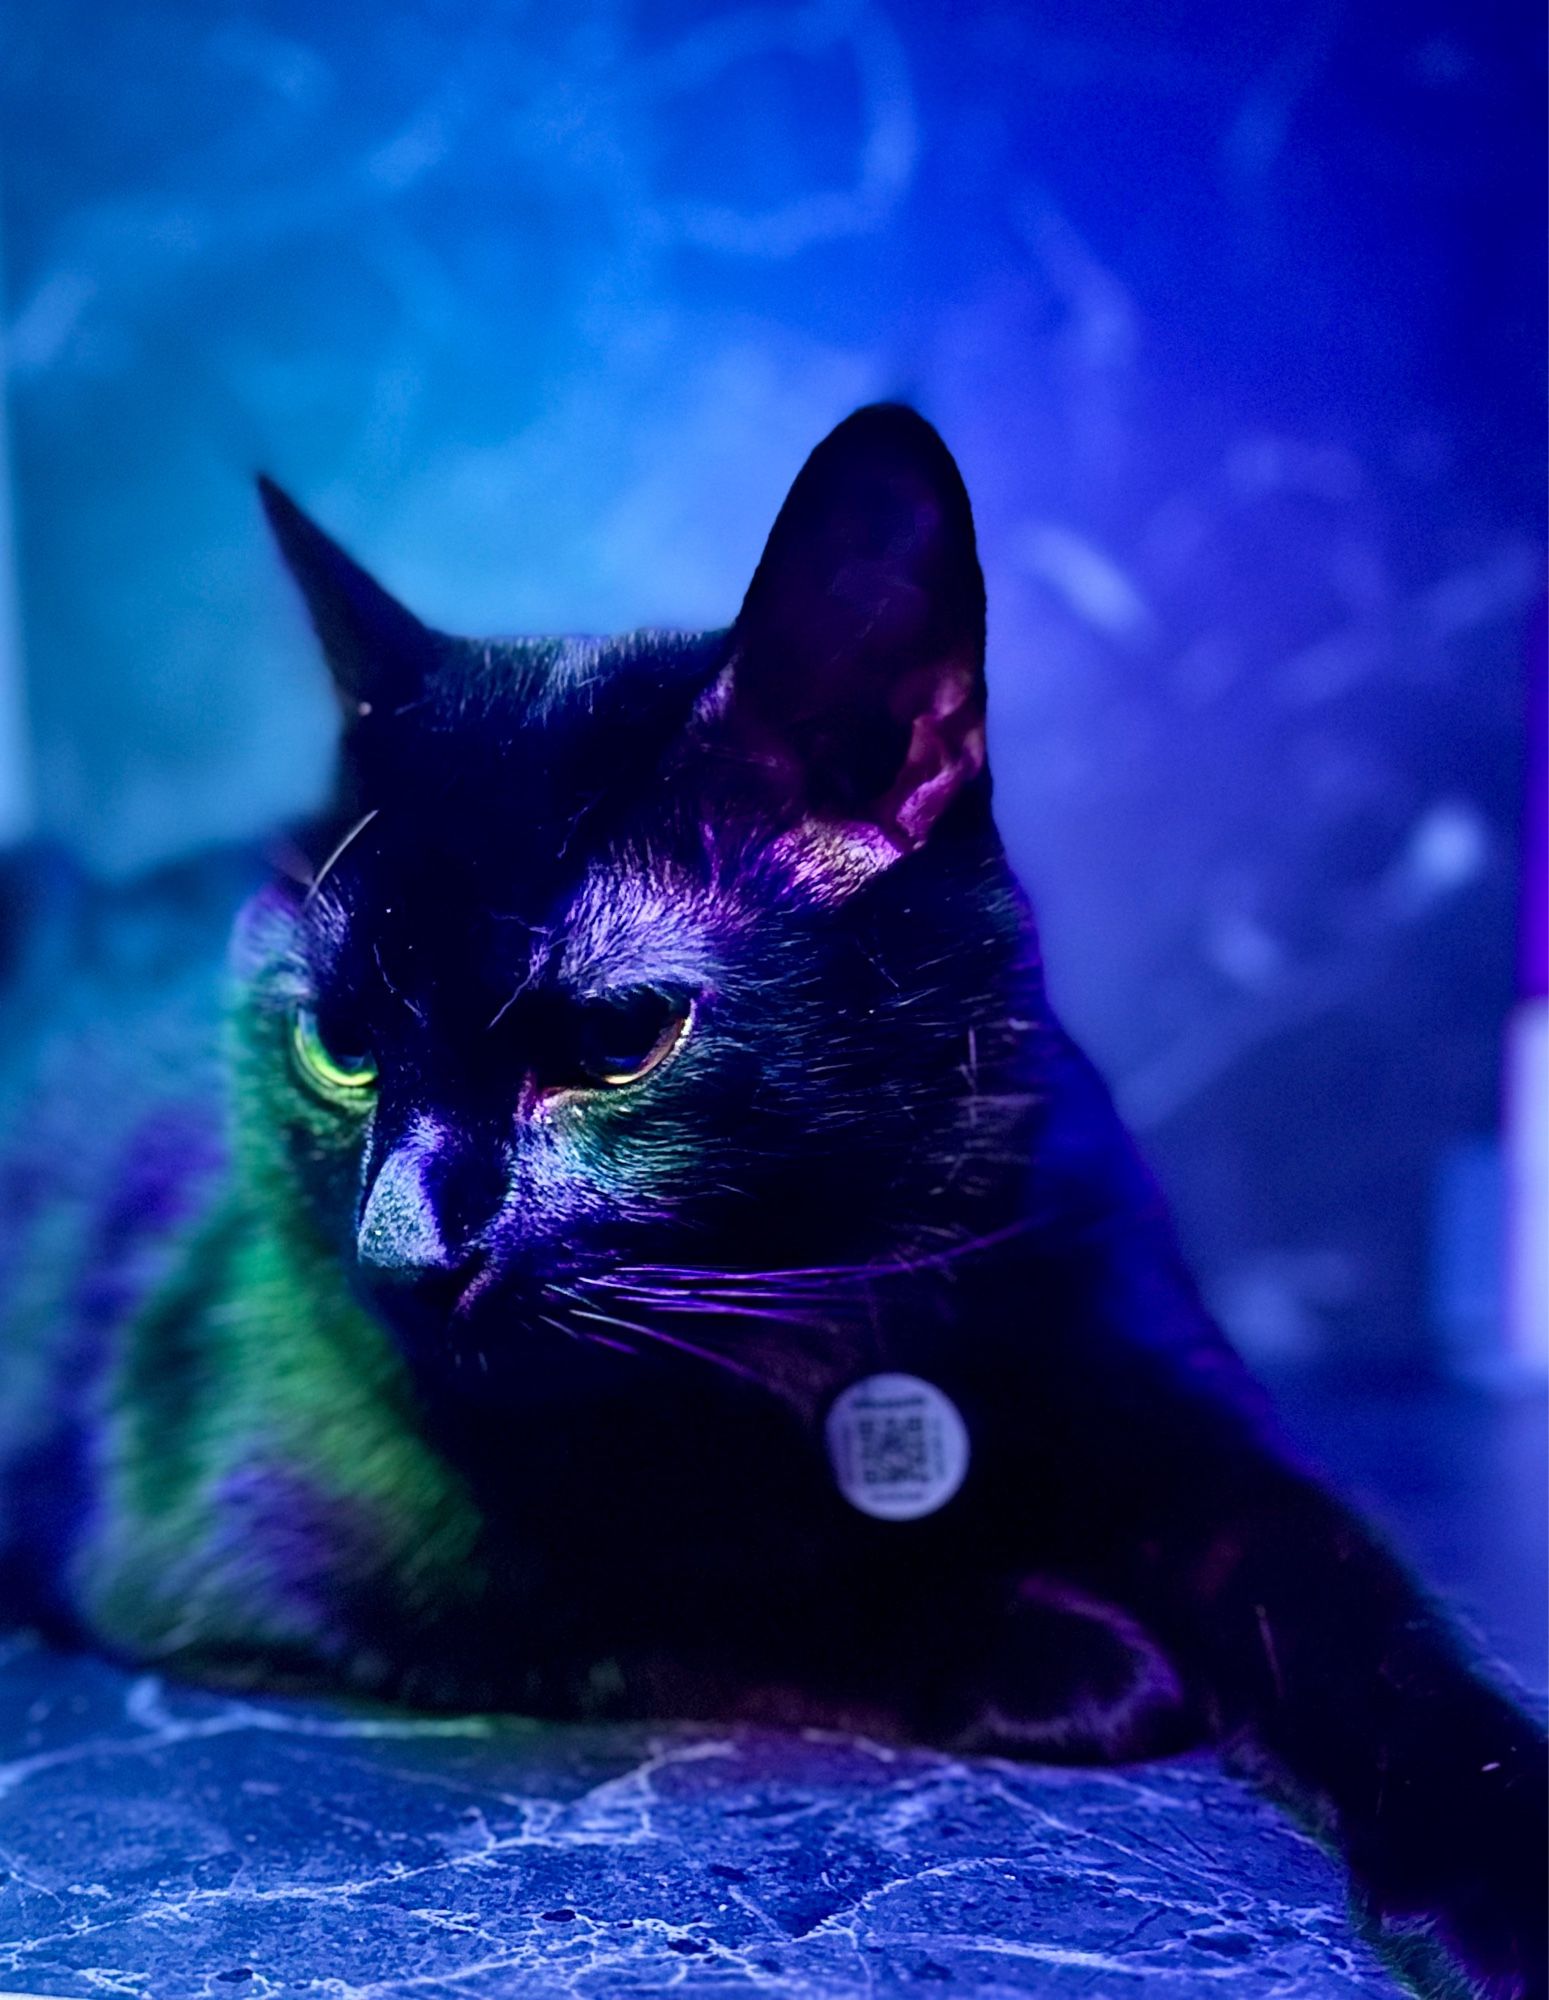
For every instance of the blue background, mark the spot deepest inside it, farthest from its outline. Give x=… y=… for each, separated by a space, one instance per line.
x=1232 y=315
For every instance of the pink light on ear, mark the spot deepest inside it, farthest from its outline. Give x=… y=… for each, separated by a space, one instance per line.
x=1526 y=1105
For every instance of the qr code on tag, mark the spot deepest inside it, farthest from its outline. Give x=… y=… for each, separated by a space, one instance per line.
x=898 y=1447
x=892 y=1450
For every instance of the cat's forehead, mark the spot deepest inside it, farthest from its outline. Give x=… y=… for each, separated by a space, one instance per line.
x=519 y=753
x=636 y=918
x=577 y=704
x=525 y=818
x=450 y=935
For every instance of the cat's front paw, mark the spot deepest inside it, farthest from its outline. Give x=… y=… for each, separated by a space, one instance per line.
x=1458 y=1900
x=1068 y=1678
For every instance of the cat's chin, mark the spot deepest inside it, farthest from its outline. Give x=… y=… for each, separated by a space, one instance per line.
x=470 y=1338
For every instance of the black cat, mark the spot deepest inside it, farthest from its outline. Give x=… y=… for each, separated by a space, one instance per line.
x=666 y=1257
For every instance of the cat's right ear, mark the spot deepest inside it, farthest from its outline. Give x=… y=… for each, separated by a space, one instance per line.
x=377 y=651
x=855 y=682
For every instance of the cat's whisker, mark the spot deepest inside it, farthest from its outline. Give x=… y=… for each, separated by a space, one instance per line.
x=582 y=1309
x=714 y=1308
x=730 y=1297
x=340 y=850
x=664 y=1339
x=593 y=1339
x=813 y=1275
x=699 y=1278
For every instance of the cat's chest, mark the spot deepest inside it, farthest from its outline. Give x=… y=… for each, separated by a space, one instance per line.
x=709 y=1512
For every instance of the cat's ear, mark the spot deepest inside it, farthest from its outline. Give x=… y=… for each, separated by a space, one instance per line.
x=856 y=670
x=377 y=651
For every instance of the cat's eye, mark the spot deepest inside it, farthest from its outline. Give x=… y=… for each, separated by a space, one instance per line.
x=333 y=1071
x=622 y=1037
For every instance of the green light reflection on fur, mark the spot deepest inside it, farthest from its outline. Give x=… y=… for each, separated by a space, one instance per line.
x=254 y=1382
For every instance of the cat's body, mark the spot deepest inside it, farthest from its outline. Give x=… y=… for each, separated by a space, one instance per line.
x=654 y=1046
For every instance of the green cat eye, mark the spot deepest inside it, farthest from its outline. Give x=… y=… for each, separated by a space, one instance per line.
x=326 y=1069
x=622 y=1037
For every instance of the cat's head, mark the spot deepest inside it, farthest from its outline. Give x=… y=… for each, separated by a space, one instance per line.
x=626 y=969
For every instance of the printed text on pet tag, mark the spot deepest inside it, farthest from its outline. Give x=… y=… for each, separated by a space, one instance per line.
x=898 y=1447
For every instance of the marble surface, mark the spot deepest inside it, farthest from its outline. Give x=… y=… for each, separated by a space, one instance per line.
x=168 y=1844
x=162 y=1842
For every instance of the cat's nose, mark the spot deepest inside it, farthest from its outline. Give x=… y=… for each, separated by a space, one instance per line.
x=399 y=1231
x=467 y=1188
x=430 y=1199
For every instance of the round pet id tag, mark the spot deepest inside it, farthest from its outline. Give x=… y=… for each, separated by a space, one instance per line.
x=898 y=1446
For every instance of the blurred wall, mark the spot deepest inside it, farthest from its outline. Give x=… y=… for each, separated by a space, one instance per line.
x=16 y=806
x=1233 y=316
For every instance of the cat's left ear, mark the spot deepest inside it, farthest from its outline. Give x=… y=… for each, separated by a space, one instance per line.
x=856 y=671
x=377 y=651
